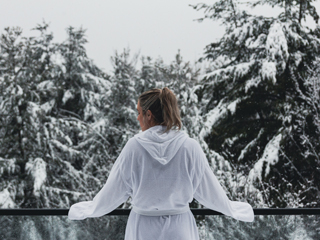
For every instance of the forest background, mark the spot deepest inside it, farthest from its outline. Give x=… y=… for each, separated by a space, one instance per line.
x=254 y=109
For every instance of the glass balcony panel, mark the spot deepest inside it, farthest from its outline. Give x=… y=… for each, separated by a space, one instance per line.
x=61 y=228
x=295 y=227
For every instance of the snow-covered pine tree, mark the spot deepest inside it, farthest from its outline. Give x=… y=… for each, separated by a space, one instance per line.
x=121 y=100
x=148 y=73
x=39 y=136
x=79 y=79
x=48 y=154
x=181 y=77
x=152 y=74
x=72 y=126
x=23 y=65
x=255 y=102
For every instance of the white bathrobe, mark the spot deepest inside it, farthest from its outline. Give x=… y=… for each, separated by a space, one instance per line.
x=162 y=172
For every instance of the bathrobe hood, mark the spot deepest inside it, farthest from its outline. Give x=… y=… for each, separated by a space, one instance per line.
x=161 y=145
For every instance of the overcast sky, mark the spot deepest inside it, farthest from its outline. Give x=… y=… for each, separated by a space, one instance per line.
x=152 y=27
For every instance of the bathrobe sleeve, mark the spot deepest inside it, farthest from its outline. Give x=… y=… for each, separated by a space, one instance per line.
x=211 y=194
x=113 y=194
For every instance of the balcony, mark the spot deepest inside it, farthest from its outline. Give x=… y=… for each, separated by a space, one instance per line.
x=52 y=224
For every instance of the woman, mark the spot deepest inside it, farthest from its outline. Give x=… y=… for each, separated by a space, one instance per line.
x=162 y=169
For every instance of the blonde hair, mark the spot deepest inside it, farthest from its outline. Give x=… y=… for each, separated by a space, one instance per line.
x=163 y=105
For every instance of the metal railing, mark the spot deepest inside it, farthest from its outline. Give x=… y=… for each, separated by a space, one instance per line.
x=195 y=211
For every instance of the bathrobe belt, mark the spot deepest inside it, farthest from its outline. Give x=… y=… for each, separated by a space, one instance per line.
x=160 y=212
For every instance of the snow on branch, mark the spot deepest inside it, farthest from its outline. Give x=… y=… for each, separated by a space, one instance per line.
x=58 y=60
x=47 y=85
x=37 y=169
x=17 y=91
x=270 y=157
x=75 y=194
x=5 y=199
x=72 y=152
x=96 y=81
x=7 y=165
x=250 y=145
x=269 y=71
x=277 y=45
x=214 y=115
x=237 y=71
x=34 y=110
x=66 y=96
x=79 y=176
x=253 y=82
x=47 y=107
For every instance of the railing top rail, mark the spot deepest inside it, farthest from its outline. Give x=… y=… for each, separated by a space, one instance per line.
x=195 y=211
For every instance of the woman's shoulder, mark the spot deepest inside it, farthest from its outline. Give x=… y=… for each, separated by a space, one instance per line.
x=191 y=143
x=132 y=144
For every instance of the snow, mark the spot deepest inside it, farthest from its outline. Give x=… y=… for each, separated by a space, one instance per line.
x=46 y=85
x=67 y=138
x=18 y=91
x=100 y=124
x=252 y=43
x=269 y=71
x=250 y=145
x=232 y=106
x=65 y=148
x=33 y=109
x=47 y=107
x=43 y=57
x=76 y=195
x=58 y=60
x=252 y=82
x=97 y=80
x=66 y=96
x=7 y=164
x=37 y=169
x=242 y=69
x=214 y=115
x=276 y=45
x=270 y=157
x=5 y=199
x=231 y=141
x=19 y=119
x=297 y=56
x=294 y=35
x=238 y=71
x=211 y=117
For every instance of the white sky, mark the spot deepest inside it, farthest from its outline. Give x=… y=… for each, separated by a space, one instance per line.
x=152 y=27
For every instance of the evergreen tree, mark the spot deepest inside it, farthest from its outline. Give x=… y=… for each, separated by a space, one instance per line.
x=148 y=73
x=38 y=134
x=78 y=79
x=152 y=75
x=121 y=101
x=23 y=66
x=72 y=127
x=255 y=102
x=47 y=146
x=181 y=77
